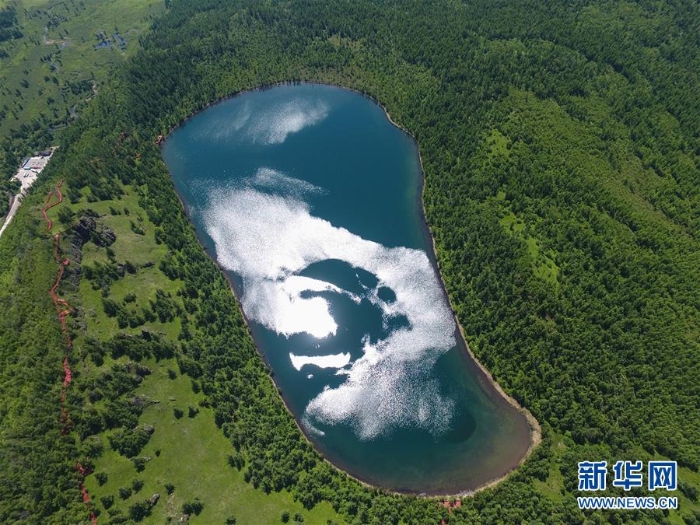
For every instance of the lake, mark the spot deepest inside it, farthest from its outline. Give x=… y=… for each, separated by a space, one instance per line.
x=309 y=198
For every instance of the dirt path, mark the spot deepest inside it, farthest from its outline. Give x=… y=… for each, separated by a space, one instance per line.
x=49 y=42
x=64 y=309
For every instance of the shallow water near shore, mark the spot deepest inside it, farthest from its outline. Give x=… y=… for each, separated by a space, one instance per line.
x=309 y=198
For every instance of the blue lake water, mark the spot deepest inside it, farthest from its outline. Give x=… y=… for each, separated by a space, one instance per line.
x=309 y=198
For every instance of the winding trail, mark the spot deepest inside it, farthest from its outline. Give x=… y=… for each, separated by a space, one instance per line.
x=64 y=309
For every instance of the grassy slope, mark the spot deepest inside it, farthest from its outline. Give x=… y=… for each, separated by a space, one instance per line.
x=192 y=451
x=193 y=457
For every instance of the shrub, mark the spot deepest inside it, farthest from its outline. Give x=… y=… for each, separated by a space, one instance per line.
x=101 y=478
x=129 y=442
x=139 y=464
x=193 y=507
x=139 y=510
x=110 y=307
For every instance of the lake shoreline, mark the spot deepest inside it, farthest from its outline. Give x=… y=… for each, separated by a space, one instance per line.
x=534 y=426
x=493 y=391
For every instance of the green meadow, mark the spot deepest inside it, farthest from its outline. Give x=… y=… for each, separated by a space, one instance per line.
x=187 y=455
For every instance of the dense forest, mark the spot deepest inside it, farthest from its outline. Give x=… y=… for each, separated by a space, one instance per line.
x=561 y=148
x=8 y=24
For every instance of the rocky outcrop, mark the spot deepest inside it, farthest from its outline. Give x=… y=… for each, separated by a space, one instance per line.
x=86 y=229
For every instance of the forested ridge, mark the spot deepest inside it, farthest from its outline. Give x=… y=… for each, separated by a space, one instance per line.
x=561 y=149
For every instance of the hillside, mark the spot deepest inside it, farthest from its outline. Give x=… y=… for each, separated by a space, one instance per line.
x=561 y=150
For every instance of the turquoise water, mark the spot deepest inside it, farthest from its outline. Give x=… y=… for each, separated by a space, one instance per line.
x=309 y=198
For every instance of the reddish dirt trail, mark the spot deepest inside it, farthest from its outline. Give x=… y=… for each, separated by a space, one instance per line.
x=64 y=309
x=56 y=192
x=449 y=506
